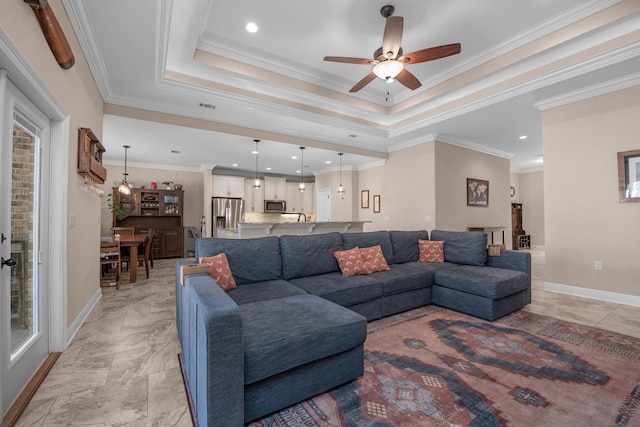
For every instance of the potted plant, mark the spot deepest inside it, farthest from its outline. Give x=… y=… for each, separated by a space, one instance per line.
x=116 y=207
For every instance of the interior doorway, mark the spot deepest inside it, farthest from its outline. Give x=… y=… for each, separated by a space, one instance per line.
x=324 y=205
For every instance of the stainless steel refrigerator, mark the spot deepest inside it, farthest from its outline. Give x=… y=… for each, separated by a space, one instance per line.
x=226 y=213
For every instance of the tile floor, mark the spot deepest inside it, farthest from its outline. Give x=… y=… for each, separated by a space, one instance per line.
x=122 y=369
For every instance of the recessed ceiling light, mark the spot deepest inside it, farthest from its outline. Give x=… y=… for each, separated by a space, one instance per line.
x=268 y=169
x=254 y=152
x=298 y=171
x=235 y=165
x=522 y=137
x=251 y=27
x=294 y=157
x=328 y=162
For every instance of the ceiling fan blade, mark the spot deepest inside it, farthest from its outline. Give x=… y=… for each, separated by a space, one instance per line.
x=349 y=60
x=430 y=54
x=392 y=36
x=408 y=79
x=362 y=83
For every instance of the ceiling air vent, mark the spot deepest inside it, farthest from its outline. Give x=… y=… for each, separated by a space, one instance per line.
x=206 y=105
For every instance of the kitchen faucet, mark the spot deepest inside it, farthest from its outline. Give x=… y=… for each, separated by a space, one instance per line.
x=301 y=214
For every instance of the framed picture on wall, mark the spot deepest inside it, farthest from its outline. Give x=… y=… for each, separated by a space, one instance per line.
x=376 y=203
x=477 y=192
x=629 y=176
x=364 y=199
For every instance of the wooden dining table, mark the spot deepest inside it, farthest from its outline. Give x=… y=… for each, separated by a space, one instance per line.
x=133 y=242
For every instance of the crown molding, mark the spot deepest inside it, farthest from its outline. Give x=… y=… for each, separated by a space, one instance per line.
x=371 y=165
x=472 y=146
x=155 y=166
x=77 y=12
x=589 y=92
x=528 y=170
x=413 y=142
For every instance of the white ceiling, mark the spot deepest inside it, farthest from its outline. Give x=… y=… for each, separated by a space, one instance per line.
x=169 y=57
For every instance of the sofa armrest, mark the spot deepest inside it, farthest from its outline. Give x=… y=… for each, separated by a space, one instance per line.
x=511 y=260
x=213 y=352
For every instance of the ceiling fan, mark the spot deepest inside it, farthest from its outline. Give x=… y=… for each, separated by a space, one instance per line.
x=389 y=61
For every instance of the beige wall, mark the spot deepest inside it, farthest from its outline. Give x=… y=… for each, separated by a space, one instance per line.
x=192 y=185
x=584 y=221
x=76 y=91
x=453 y=165
x=342 y=208
x=532 y=199
x=406 y=186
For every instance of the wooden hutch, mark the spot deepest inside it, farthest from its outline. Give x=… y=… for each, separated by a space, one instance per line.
x=520 y=239
x=159 y=209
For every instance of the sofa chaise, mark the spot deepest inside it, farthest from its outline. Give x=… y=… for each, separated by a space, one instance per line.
x=294 y=326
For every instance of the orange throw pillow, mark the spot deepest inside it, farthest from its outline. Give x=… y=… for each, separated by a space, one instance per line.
x=374 y=259
x=350 y=262
x=220 y=271
x=431 y=250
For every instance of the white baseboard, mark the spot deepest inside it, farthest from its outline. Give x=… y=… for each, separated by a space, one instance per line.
x=593 y=294
x=537 y=247
x=73 y=329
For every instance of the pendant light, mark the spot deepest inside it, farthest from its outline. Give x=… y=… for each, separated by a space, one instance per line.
x=256 y=183
x=302 y=187
x=340 y=187
x=124 y=188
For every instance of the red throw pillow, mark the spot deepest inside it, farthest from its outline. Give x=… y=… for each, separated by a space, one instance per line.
x=220 y=271
x=350 y=262
x=431 y=250
x=374 y=259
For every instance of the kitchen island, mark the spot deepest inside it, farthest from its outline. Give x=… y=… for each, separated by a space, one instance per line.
x=248 y=230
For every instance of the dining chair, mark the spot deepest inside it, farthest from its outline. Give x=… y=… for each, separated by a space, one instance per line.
x=130 y=231
x=109 y=258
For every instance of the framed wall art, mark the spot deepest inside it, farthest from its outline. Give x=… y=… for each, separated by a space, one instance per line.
x=364 y=199
x=477 y=192
x=376 y=203
x=629 y=176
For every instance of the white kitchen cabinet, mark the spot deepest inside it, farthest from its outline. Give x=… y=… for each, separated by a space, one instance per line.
x=300 y=201
x=253 y=197
x=275 y=188
x=228 y=186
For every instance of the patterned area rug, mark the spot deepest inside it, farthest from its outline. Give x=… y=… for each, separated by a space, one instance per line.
x=436 y=367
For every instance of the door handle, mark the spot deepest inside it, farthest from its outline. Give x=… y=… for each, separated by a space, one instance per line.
x=8 y=262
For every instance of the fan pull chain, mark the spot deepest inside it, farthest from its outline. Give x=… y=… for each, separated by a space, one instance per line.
x=387 y=98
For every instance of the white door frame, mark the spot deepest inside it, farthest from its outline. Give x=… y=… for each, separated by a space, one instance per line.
x=14 y=66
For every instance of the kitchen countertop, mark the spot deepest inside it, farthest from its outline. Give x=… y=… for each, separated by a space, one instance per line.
x=260 y=229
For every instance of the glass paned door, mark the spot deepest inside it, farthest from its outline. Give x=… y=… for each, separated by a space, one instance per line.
x=24 y=292
x=24 y=329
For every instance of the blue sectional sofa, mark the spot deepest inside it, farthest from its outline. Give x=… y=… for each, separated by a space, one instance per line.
x=295 y=326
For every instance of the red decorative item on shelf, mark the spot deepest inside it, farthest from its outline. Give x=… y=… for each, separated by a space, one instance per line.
x=154 y=185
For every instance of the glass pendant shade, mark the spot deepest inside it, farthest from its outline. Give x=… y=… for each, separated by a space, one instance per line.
x=388 y=70
x=256 y=182
x=301 y=187
x=124 y=187
x=340 y=187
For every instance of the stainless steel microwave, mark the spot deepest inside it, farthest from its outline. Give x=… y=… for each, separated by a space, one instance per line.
x=275 y=206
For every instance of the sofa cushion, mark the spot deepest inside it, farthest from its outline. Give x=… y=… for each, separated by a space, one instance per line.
x=251 y=260
x=220 y=271
x=350 y=262
x=431 y=250
x=345 y=291
x=309 y=255
x=373 y=259
x=319 y=329
x=463 y=247
x=401 y=278
x=405 y=245
x=370 y=238
x=487 y=282
x=263 y=291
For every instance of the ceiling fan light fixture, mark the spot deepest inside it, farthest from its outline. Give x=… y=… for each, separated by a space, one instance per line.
x=388 y=70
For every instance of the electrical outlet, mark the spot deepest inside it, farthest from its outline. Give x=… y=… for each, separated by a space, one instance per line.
x=597 y=265
x=72 y=221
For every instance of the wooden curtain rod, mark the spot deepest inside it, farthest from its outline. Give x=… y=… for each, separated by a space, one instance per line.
x=53 y=33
